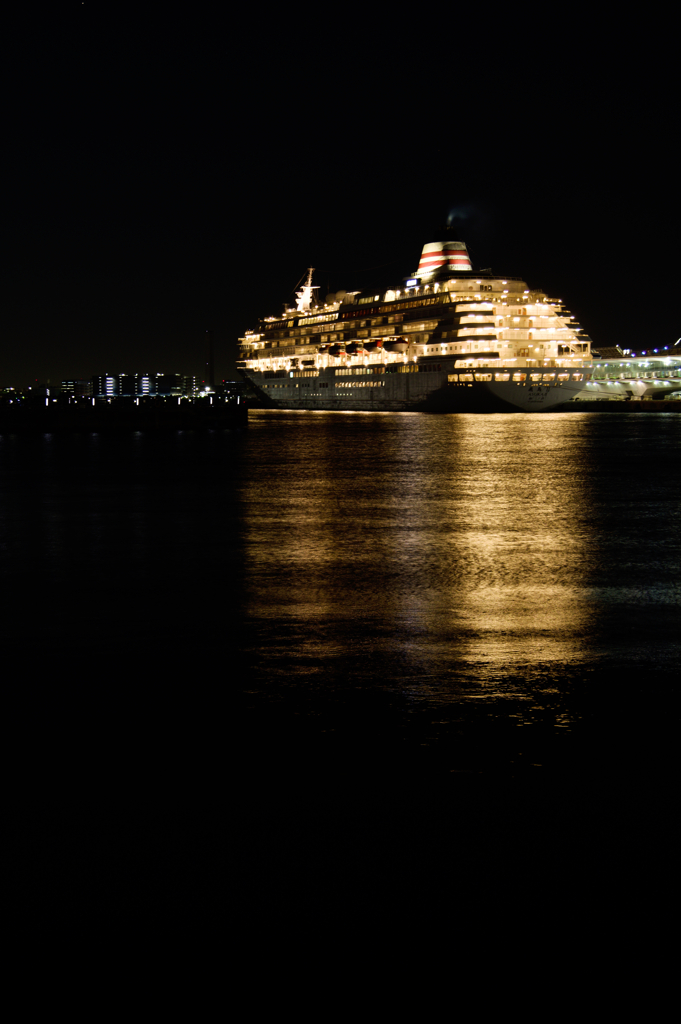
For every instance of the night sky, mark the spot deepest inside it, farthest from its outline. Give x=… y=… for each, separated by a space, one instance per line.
x=175 y=171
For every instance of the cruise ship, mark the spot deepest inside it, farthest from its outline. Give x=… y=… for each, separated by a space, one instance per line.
x=447 y=339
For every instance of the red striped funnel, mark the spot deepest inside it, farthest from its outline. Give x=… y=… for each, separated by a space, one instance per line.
x=438 y=256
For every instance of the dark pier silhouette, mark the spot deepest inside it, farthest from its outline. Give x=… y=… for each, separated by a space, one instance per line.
x=47 y=415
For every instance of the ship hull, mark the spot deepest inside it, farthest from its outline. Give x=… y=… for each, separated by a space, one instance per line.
x=444 y=391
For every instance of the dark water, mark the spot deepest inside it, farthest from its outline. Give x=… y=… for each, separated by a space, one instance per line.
x=341 y=642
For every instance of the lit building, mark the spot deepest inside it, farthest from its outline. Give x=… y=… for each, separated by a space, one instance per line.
x=138 y=385
x=76 y=388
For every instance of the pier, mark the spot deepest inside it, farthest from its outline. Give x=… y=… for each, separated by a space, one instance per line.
x=62 y=414
x=621 y=405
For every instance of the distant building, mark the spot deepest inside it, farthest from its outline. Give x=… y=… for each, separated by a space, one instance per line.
x=137 y=385
x=76 y=388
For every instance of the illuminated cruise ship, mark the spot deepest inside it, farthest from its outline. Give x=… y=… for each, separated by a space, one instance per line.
x=445 y=340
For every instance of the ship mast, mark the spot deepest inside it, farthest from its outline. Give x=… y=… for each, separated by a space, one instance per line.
x=305 y=293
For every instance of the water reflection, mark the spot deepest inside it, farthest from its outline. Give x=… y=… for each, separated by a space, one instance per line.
x=363 y=570
x=446 y=541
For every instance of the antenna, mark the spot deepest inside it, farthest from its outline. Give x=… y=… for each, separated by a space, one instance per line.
x=210 y=359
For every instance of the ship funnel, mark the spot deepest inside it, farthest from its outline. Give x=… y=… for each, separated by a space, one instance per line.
x=443 y=258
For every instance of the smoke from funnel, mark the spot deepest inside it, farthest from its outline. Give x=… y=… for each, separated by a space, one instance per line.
x=463 y=211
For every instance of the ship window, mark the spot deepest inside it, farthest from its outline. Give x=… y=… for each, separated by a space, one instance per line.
x=518 y=377
x=563 y=376
x=502 y=376
x=577 y=376
x=549 y=376
x=483 y=376
x=535 y=376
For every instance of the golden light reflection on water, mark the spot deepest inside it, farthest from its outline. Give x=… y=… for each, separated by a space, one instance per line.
x=460 y=536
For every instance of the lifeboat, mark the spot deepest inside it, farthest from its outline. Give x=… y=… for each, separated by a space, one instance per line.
x=336 y=350
x=372 y=346
x=396 y=345
x=355 y=349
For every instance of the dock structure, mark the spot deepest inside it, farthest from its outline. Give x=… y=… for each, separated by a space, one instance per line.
x=48 y=414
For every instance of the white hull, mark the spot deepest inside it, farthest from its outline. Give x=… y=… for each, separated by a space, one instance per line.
x=420 y=388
